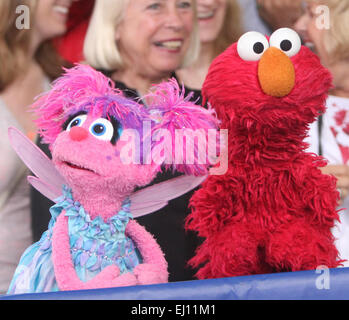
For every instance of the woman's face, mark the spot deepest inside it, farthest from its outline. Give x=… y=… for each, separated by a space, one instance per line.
x=50 y=18
x=311 y=32
x=154 y=35
x=211 y=15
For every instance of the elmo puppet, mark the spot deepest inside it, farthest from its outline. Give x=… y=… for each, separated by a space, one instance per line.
x=273 y=210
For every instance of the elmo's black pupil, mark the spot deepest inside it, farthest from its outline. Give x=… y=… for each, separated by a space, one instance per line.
x=286 y=45
x=258 y=47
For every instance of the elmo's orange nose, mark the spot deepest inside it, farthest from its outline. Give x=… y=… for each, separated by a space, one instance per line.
x=78 y=133
x=276 y=73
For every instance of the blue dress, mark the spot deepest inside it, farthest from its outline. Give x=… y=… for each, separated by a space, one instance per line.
x=94 y=245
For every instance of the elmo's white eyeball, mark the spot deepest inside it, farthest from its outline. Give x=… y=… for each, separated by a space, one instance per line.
x=252 y=45
x=287 y=40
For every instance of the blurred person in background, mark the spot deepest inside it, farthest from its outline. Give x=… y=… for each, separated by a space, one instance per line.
x=280 y=13
x=220 y=25
x=141 y=42
x=28 y=62
x=329 y=136
x=265 y=16
x=70 y=44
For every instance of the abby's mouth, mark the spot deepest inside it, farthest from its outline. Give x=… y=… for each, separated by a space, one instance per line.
x=77 y=167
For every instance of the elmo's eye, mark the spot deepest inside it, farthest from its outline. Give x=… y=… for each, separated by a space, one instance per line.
x=287 y=40
x=102 y=129
x=77 y=121
x=252 y=45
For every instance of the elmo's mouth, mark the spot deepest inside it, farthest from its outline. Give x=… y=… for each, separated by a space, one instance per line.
x=77 y=166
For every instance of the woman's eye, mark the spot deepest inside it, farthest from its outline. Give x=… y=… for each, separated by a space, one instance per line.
x=154 y=6
x=184 y=4
x=252 y=45
x=76 y=122
x=102 y=129
x=287 y=40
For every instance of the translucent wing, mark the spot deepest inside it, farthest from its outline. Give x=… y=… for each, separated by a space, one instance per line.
x=37 y=162
x=45 y=189
x=49 y=181
x=157 y=196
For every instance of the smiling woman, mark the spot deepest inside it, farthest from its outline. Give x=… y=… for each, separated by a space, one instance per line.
x=142 y=42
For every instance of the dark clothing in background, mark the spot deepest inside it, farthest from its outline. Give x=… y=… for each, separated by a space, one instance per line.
x=166 y=224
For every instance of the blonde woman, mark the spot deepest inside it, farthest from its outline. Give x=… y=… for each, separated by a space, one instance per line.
x=139 y=43
x=330 y=134
x=27 y=63
x=220 y=25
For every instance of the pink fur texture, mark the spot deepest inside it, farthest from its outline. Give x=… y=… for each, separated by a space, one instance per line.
x=84 y=119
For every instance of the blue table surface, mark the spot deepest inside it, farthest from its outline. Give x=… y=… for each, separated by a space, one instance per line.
x=320 y=284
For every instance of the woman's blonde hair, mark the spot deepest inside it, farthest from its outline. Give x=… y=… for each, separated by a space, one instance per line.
x=100 y=47
x=232 y=27
x=15 y=44
x=336 y=38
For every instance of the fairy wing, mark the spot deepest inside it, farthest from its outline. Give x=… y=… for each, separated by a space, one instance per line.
x=49 y=181
x=38 y=163
x=45 y=189
x=143 y=201
x=157 y=196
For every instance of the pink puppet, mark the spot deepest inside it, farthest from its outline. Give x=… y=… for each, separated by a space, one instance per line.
x=92 y=240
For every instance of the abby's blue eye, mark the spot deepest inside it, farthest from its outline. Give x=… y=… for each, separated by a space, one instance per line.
x=76 y=122
x=102 y=129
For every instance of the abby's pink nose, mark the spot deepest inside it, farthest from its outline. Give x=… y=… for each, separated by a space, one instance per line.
x=78 y=133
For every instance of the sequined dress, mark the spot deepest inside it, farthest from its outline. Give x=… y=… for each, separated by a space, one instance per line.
x=94 y=245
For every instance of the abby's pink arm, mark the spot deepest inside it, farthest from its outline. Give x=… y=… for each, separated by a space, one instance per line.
x=154 y=266
x=66 y=276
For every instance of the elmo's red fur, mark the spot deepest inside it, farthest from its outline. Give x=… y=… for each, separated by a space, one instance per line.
x=273 y=209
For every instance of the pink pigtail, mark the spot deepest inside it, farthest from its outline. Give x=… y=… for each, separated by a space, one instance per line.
x=171 y=110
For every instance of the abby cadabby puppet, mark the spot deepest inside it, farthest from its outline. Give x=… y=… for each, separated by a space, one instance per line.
x=92 y=240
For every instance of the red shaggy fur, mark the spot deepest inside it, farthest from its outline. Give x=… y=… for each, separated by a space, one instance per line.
x=273 y=209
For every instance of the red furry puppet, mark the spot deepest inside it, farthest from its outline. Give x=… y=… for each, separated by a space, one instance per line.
x=273 y=210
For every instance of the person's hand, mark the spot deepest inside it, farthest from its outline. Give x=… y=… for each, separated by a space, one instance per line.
x=341 y=172
x=280 y=13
